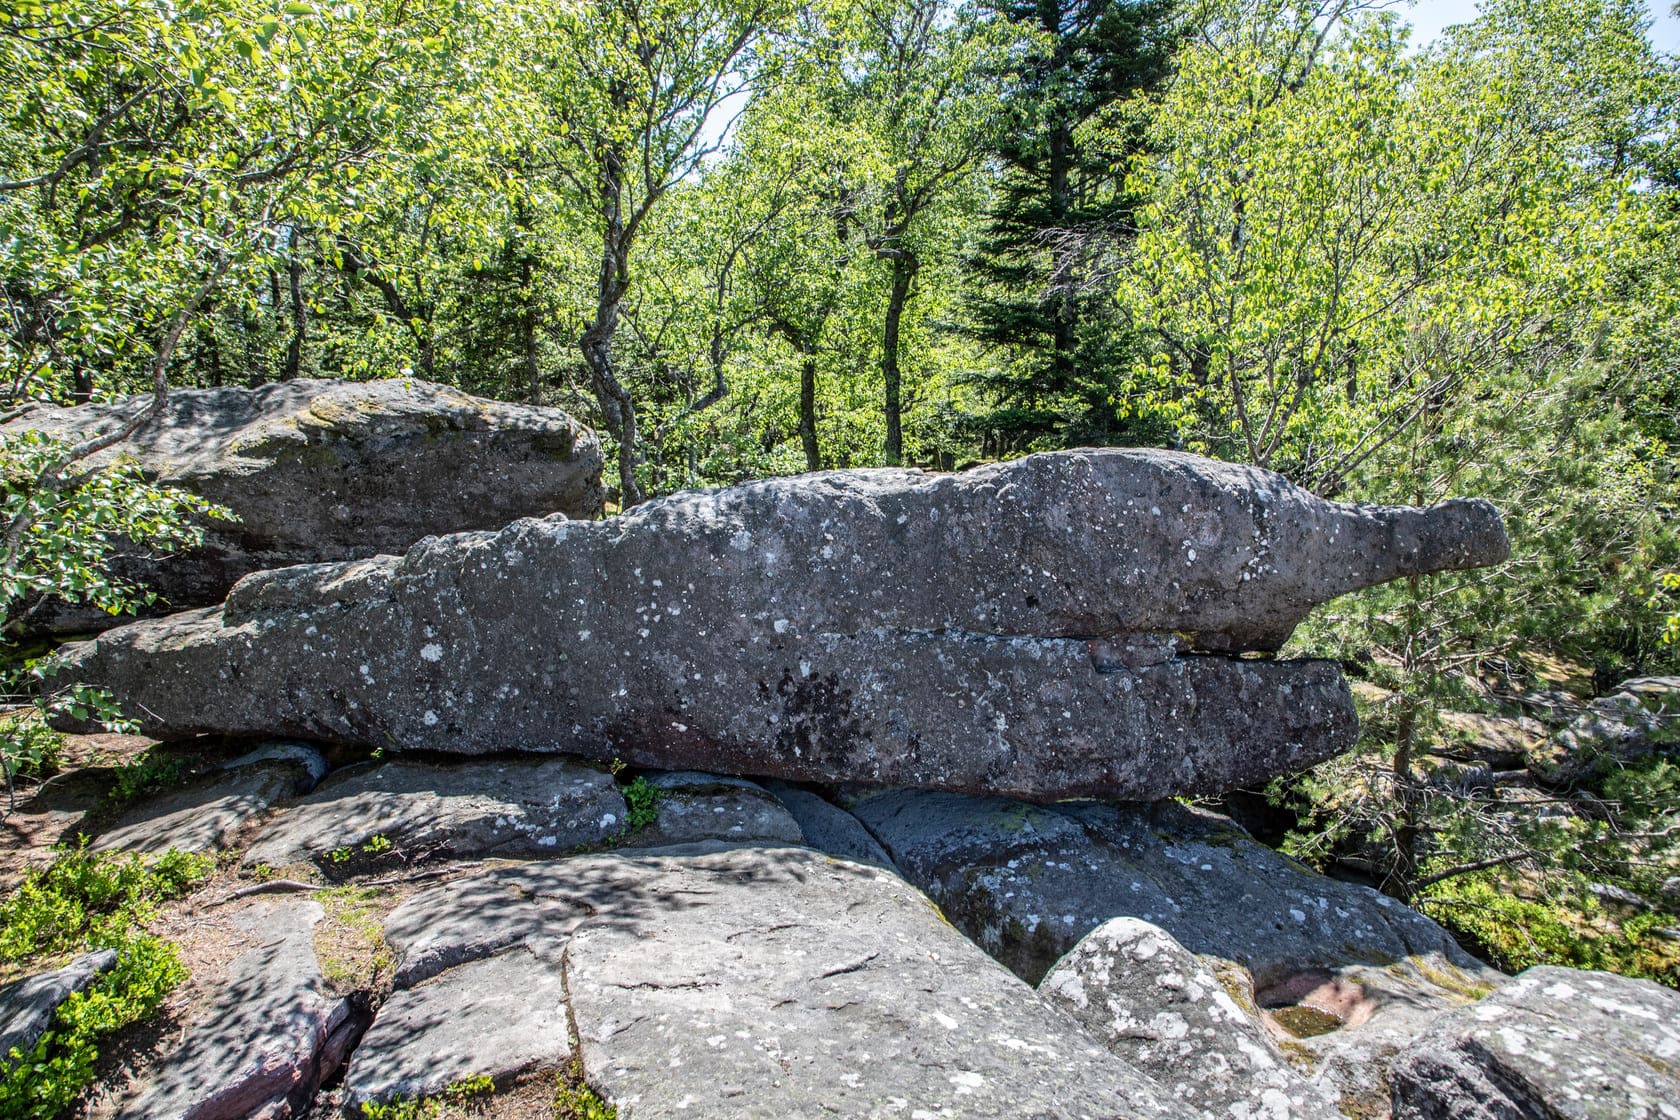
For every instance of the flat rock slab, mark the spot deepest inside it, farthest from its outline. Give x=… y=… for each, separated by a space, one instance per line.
x=1028 y=882
x=709 y=980
x=496 y=1017
x=27 y=1005
x=210 y=814
x=268 y=1038
x=1163 y=1009
x=694 y=806
x=751 y=631
x=1552 y=1043
x=509 y=807
x=332 y=470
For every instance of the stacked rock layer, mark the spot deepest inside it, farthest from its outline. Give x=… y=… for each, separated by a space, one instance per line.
x=1065 y=625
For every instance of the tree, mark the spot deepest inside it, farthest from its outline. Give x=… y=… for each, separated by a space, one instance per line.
x=628 y=98
x=1400 y=277
x=913 y=91
x=1046 y=263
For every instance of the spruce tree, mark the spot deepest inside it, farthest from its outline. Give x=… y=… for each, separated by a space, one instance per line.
x=1043 y=298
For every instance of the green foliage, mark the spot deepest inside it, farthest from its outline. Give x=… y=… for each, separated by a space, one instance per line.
x=1567 y=926
x=66 y=535
x=90 y=900
x=28 y=748
x=85 y=901
x=45 y=1082
x=461 y=1092
x=575 y=1100
x=641 y=799
x=148 y=774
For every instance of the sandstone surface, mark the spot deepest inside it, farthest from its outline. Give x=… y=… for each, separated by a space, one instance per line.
x=504 y=807
x=1162 y=1008
x=272 y=1034
x=1019 y=628
x=714 y=980
x=329 y=470
x=1555 y=1042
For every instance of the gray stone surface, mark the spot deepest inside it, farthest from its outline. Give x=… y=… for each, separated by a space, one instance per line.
x=1028 y=882
x=525 y=904
x=829 y=828
x=285 y=750
x=1552 y=1043
x=495 y=1017
x=744 y=981
x=695 y=806
x=263 y=1047
x=517 y=806
x=27 y=1005
x=210 y=814
x=1163 y=1009
x=332 y=470
x=751 y=630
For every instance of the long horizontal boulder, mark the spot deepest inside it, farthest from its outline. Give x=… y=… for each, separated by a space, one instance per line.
x=1030 y=628
x=327 y=470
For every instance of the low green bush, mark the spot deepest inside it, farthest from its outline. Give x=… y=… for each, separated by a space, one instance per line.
x=84 y=901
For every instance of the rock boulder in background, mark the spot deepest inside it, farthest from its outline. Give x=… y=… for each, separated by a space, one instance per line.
x=330 y=470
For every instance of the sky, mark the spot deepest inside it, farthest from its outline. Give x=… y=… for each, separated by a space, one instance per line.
x=1428 y=17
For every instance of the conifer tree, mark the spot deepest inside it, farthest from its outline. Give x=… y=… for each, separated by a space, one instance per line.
x=1044 y=302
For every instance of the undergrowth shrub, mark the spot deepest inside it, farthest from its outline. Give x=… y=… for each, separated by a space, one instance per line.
x=86 y=901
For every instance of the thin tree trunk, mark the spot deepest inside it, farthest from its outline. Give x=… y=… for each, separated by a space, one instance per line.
x=808 y=411
x=903 y=272
x=528 y=325
x=300 y=313
x=618 y=411
x=1064 y=316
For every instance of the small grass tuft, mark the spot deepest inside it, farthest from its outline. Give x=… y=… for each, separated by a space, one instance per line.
x=350 y=942
x=462 y=1094
x=575 y=1100
x=641 y=798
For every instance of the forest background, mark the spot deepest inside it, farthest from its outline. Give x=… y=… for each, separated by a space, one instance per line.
x=756 y=237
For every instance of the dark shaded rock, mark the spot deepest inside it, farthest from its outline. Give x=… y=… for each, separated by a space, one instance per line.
x=214 y=812
x=694 y=806
x=1163 y=1009
x=27 y=1005
x=332 y=470
x=496 y=1017
x=750 y=630
x=1554 y=1042
x=829 y=828
x=1028 y=882
x=507 y=807
x=271 y=1034
x=710 y=980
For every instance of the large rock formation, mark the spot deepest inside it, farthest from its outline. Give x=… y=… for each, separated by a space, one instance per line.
x=720 y=981
x=330 y=470
x=1029 y=628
